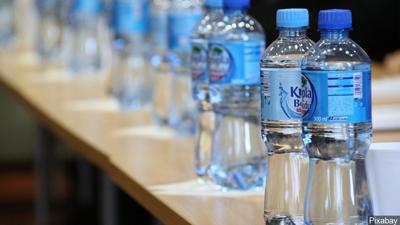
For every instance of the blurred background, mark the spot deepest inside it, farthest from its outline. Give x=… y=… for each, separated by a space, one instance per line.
x=376 y=28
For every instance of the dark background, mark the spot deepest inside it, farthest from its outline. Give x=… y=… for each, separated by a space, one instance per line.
x=376 y=24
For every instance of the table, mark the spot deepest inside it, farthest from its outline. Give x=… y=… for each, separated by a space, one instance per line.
x=153 y=165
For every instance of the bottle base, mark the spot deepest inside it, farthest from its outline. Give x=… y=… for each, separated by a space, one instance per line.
x=240 y=177
x=283 y=220
x=132 y=104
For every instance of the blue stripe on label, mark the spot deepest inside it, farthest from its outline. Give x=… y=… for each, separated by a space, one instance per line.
x=336 y=86
x=341 y=95
x=340 y=78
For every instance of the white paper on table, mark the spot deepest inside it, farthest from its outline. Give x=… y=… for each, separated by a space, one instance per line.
x=383 y=170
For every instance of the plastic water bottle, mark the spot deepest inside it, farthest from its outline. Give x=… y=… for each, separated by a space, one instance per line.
x=7 y=29
x=49 y=37
x=131 y=83
x=159 y=62
x=182 y=17
x=82 y=41
x=337 y=124
x=199 y=39
x=238 y=158
x=282 y=112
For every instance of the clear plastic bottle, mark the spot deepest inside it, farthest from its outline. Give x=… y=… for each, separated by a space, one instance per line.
x=337 y=124
x=182 y=17
x=159 y=62
x=199 y=56
x=49 y=37
x=130 y=79
x=238 y=159
x=82 y=41
x=281 y=85
x=7 y=29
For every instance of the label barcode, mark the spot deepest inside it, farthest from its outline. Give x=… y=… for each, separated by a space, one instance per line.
x=265 y=83
x=357 y=82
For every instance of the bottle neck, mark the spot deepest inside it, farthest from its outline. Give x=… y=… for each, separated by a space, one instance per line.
x=235 y=11
x=298 y=32
x=335 y=34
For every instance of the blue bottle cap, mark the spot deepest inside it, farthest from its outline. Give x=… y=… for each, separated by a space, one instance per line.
x=236 y=3
x=214 y=3
x=291 y=18
x=334 y=19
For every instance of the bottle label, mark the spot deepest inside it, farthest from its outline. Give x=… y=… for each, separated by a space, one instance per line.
x=235 y=63
x=199 y=60
x=180 y=25
x=158 y=29
x=338 y=96
x=283 y=94
x=131 y=16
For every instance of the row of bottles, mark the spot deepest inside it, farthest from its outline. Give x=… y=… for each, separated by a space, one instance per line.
x=144 y=46
x=208 y=74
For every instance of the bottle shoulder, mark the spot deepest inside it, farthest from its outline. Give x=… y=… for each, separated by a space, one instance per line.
x=337 y=54
x=242 y=22
x=209 y=24
x=185 y=4
x=240 y=27
x=287 y=48
x=160 y=4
